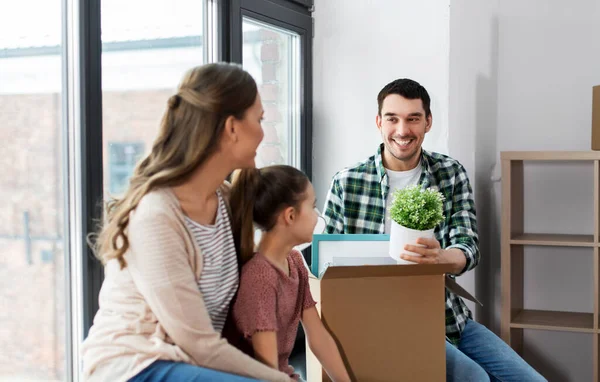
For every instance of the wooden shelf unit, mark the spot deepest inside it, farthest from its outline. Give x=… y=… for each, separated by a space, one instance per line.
x=554 y=240
x=550 y=320
x=515 y=318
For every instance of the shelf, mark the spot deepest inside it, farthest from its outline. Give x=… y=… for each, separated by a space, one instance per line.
x=559 y=321
x=522 y=170
x=550 y=155
x=556 y=240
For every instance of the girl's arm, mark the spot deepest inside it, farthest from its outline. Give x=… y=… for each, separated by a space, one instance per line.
x=323 y=346
x=265 y=348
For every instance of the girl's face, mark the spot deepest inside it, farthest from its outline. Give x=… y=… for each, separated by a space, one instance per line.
x=305 y=217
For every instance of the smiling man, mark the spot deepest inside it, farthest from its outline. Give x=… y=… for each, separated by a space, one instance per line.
x=359 y=201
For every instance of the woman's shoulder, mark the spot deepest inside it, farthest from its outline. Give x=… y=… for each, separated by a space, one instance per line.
x=156 y=207
x=157 y=201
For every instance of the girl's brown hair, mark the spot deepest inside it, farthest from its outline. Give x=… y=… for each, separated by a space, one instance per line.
x=190 y=132
x=257 y=197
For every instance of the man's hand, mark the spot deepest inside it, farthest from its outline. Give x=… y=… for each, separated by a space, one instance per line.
x=432 y=253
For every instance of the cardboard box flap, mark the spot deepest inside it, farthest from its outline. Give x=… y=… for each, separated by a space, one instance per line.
x=341 y=272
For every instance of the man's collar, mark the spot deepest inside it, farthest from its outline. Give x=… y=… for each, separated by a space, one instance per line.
x=379 y=163
x=425 y=161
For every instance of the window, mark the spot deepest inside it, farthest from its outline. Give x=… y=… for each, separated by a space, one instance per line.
x=122 y=160
x=272 y=56
x=147 y=45
x=33 y=254
x=76 y=117
x=272 y=40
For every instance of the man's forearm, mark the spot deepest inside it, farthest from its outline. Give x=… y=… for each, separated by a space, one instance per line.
x=456 y=257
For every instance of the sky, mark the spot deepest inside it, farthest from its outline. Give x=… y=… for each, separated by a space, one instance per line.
x=34 y=23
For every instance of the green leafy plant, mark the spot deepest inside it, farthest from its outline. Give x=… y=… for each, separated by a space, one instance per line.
x=416 y=208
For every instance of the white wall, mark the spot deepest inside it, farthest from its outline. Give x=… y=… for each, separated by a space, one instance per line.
x=472 y=121
x=359 y=47
x=520 y=79
x=504 y=75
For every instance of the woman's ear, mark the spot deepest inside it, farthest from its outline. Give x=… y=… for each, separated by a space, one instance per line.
x=230 y=131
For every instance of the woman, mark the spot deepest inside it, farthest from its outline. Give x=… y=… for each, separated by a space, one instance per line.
x=170 y=264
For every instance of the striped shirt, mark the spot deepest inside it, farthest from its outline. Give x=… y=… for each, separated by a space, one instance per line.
x=220 y=277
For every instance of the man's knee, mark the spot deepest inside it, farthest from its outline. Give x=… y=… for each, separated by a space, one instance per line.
x=470 y=372
x=461 y=368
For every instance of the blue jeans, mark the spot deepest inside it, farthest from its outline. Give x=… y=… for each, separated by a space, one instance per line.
x=168 y=371
x=483 y=356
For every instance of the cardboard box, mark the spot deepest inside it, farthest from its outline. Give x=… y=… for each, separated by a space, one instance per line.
x=596 y=118
x=388 y=321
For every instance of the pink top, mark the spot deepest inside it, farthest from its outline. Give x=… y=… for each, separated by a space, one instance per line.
x=270 y=300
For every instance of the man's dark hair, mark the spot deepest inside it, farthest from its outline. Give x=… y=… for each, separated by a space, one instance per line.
x=408 y=89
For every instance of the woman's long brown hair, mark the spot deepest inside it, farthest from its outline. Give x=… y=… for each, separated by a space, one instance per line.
x=190 y=132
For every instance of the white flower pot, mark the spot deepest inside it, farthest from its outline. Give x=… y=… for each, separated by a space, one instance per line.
x=401 y=236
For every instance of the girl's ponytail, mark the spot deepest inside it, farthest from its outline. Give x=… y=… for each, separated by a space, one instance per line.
x=246 y=184
x=257 y=197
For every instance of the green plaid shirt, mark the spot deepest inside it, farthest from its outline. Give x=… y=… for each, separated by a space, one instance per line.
x=356 y=204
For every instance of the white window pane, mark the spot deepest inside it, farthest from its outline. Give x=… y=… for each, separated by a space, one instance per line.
x=147 y=47
x=32 y=255
x=271 y=56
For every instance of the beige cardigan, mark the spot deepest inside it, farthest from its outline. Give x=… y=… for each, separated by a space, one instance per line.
x=153 y=309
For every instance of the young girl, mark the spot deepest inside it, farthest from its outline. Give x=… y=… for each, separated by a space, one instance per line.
x=273 y=295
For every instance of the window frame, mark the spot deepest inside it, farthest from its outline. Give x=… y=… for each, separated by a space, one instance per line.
x=306 y=3
x=91 y=153
x=286 y=15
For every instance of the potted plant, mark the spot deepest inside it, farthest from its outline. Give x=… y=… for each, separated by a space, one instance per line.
x=415 y=212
